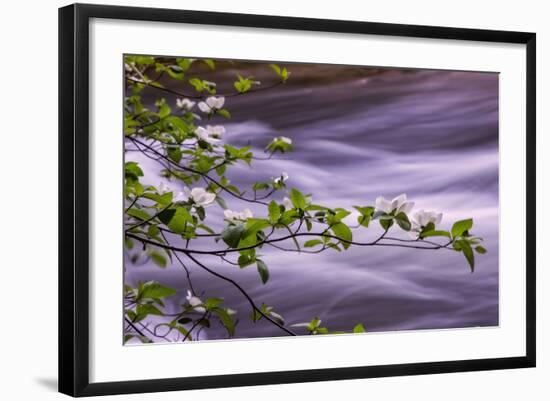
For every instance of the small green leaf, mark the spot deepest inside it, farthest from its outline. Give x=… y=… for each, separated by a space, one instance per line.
x=386 y=223
x=435 y=233
x=174 y=153
x=224 y=113
x=460 y=227
x=138 y=213
x=403 y=221
x=274 y=211
x=297 y=199
x=148 y=309
x=211 y=303
x=312 y=243
x=246 y=260
x=481 y=250
x=226 y=320
x=154 y=290
x=133 y=170
x=158 y=258
x=209 y=62
x=468 y=253
x=343 y=232
x=231 y=235
x=359 y=329
x=263 y=270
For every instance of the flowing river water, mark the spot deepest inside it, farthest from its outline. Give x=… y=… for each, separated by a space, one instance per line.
x=359 y=133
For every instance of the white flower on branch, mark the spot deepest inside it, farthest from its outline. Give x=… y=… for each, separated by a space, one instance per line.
x=283 y=139
x=163 y=189
x=199 y=196
x=212 y=134
x=421 y=219
x=232 y=216
x=398 y=204
x=424 y=217
x=195 y=302
x=281 y=179
x=211 y=104
x=185 y=104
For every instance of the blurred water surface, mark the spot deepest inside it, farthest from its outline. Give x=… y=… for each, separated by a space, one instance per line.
x=430 y=134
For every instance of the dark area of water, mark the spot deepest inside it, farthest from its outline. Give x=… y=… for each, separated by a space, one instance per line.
x=357 y=134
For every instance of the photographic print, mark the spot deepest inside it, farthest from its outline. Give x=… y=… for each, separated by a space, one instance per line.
x=268 y=198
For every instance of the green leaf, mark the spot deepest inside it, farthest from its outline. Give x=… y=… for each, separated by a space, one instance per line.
x=176 y=219
x=246 y=260
x=386 y=223
x=263 y=270
x=226 y=320
x=164 y=111
x=312 y=242
x=209 y=62
x=359 y=329
x=274 y=211
x=343 y=232
x=175 y=72
x=460 y=227
x=138 y=213
x=224 y=113
x=276 y=68
x=145 y=60
x=211 y=303
x=297 y=199
x=231 y=235
x=158 y=258
x=220 y=201
x=366 y=215
x=174 y=153
x=403 y=221
x=479 y=249
x=153 y=290
x=435 y=233
x=148 y=309
x=132 y=170
x=468 y=253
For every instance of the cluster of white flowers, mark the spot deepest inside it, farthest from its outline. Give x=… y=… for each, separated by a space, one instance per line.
x=283 y=139
x=400 y=204
x=211 y=104
x=185 y=104
x=199 y=196
x=212 y=134
x=281 y=179
x=424 y=217
x=195 y=302
x=233 y=216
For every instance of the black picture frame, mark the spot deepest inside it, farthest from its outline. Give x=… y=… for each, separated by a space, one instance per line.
x=74 y=198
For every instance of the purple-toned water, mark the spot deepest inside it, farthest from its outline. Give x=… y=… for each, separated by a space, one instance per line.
x=430 y=134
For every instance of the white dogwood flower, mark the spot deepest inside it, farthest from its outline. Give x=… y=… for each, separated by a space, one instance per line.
x=232 y=216
x=283 y=139
x=421 y=219
x=200 y=196
x=212 y=103
x=195 y=302
x=211 y=134
x=424 y=217
x=163 y=188
x=185 y=104
x=399 y=204
x=281 y=179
